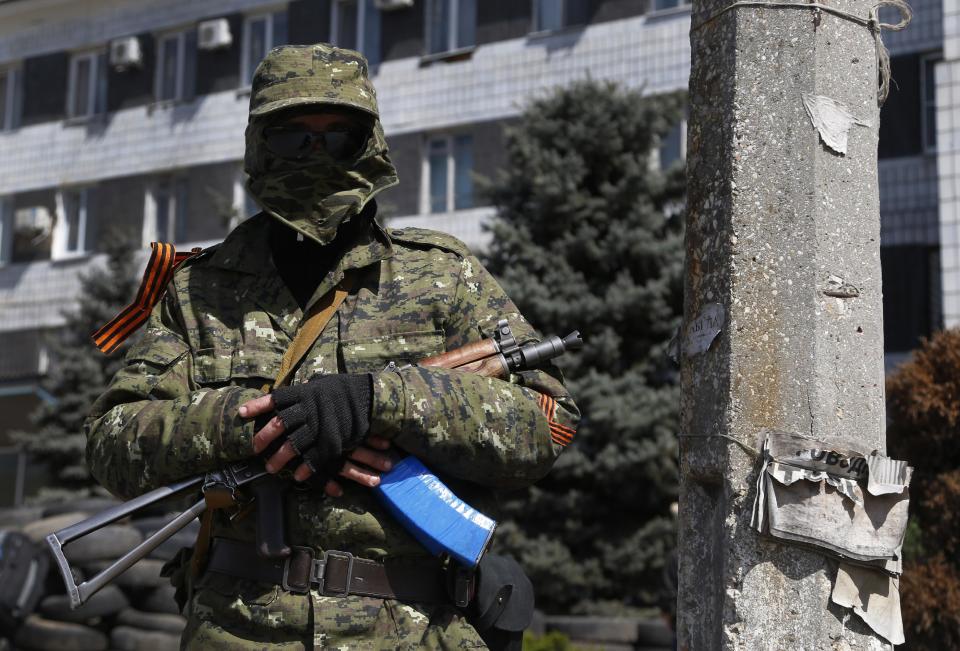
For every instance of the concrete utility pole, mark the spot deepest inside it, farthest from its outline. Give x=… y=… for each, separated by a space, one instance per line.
x=783 y=238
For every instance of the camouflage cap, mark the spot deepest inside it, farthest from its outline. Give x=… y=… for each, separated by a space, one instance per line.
x=299 y=75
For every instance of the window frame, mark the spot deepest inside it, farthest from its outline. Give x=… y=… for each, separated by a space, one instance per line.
x=368 y=17
x=682 y=5
x=48 y=231
x=535 y=17
x=335 y=21
x=242 y=199
x=452 y=46
x=6 y=230
x=96 y=87
x=13 y=101
x=682 y=126
x=59 y=249
x=564 y=24
x=181 y=35
x=176 y=187
x=928 y=105
x=262 y=13
x=450 y=153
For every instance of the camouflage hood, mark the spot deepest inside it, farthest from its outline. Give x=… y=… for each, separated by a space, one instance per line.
x=317 y=194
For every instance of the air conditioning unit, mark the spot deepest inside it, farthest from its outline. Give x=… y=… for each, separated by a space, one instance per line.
x=125 y=53
x=214 y=34
x=389 y=5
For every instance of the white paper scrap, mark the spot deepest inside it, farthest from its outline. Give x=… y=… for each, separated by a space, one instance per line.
x=873 y=596
x=887 y=475
x=832 y=119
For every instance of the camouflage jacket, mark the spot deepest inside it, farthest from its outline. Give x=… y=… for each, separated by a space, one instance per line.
x=219 y=335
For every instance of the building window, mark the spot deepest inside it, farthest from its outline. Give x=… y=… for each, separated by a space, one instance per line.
x=661 y=5
x=166 y=213
x=176 y=65
x=87 y=87
x=6 y=229
x=911 y=291
x=673 y=145
x=901 y=116
x=355 y=24
x=449 y=165
x=32 y=229
x=11 y=98
x=451 y=25
x=551 y=15
x=928 y=101
x=261 y=33
x=244 y=205
x=71 y=234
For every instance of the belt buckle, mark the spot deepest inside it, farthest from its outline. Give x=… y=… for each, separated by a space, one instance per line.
x=333 y=553
x=298 y=589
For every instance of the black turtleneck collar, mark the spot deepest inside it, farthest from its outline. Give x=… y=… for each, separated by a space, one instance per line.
x=303 y=263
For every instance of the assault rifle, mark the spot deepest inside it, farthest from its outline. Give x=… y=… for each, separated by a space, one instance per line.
x=240 y=483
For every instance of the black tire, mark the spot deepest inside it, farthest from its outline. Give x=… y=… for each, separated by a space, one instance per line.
x=144 y=574
x=19 y=517
x=110 y=542
x=39 y=634
x=54 y=583
x=169 y=547
x=37 y=531
x=125 y=638
x=24 y=568
x=147 y=526
x=108 y=601
x=87 y=505
x=165 y=623
x=158 y=600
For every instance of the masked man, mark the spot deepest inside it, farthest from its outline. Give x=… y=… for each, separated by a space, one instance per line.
x=194 y=393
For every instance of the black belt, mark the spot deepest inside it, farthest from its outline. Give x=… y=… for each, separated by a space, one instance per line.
x=334 y=573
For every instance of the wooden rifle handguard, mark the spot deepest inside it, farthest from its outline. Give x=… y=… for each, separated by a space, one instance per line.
x=479 y=357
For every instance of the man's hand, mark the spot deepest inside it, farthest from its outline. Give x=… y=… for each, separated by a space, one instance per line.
x=371 y=454
x=322 y=419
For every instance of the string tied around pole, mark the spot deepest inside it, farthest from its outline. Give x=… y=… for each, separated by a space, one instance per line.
x=872 y=22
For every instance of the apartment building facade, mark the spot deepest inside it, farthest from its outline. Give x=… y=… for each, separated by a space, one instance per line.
x=127 y=118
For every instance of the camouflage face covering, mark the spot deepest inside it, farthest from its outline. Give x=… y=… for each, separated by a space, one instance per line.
x=316 y=194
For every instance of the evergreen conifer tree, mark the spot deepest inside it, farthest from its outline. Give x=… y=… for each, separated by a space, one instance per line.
x=78 y=372
x=589 y=236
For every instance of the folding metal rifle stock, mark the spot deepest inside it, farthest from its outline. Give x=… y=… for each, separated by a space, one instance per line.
x=229 y=479
x=497 y=356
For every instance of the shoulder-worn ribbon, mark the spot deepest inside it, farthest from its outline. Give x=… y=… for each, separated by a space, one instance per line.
x=164 y=260
x=561 y=434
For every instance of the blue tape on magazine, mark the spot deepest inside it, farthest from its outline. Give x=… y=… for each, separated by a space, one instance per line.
x=437 y=518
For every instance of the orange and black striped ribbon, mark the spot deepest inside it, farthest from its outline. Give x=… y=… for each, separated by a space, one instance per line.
x=164 y=260
x=561 y=434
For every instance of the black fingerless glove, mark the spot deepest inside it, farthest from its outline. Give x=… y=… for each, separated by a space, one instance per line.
x=326 y=417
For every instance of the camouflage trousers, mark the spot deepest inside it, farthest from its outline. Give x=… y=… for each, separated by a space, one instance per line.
x=237 y=614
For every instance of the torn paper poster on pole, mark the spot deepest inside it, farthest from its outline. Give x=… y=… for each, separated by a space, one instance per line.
x=873 y=596
x=825 y=496
x=704 y=329
x=849 y=504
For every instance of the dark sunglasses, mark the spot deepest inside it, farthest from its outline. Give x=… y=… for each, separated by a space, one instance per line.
x=296 y=143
